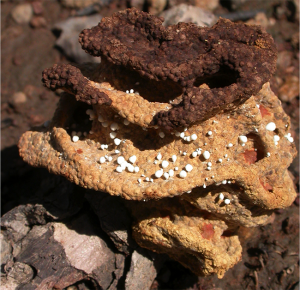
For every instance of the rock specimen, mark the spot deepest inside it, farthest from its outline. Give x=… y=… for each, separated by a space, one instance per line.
x=183 y=112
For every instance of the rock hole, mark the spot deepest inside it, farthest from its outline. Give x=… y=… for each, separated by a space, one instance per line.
x=79 y=120
x=223 y=77
x=256 y=152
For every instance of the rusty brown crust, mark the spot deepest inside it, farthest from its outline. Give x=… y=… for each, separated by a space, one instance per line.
x=235 y=60
x=70 y=79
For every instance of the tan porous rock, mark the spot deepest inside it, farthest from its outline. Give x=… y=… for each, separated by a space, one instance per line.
x=200 y=125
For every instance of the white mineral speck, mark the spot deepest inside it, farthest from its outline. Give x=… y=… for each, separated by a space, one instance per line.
x=221 y=196
x=224 y=181
x=174 y=158
x=271 y=126
x=132 y=158
x=117 y=141
x=165 y=164
x=171 y=172
x=136 y=169
x=139 y=180
x=220 y=160
x=194 y=137
x=182 y=135
x=131 y=91
x=120 y=160
x=158 y=157
x=243 y=139
x=119 y=169
x=276 y=138
x=75 y=138
x=182 y=174
x=194 y=154
x=102 y=159
x=268 y=154
x=166 y=175
x=159 y=173
x=229 y=145
x=227 y=201
x=206 y=155
x=130 y=167
x=176 y=168
x=188 y=167
x=209 y=164
x=209 y=133
x=114 y=126
x=204 y=186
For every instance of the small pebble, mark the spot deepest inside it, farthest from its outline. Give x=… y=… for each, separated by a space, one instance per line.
x=102 y=159
x=221 y=196
x=161 y=134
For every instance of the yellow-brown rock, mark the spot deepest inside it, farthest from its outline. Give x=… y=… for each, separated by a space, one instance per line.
x=190 y=188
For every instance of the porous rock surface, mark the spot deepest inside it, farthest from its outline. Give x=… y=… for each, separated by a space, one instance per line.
x=120 y=134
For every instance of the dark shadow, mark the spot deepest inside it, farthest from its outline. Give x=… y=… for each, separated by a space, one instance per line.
x=224 y=77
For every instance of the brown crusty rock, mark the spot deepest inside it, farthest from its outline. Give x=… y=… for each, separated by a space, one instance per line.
x=229 y=165
x=235 y=60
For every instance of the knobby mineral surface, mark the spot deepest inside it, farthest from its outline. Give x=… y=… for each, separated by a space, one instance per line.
x=182 y=112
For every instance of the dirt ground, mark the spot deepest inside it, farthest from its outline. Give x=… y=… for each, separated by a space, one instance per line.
x=270 y=253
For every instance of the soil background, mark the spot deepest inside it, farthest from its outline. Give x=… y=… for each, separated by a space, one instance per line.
x=29 y=45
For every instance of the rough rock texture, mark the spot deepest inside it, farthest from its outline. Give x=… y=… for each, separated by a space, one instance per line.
x=235 y=60
x=229 y=169
x=57 y=255
x=191 y=236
